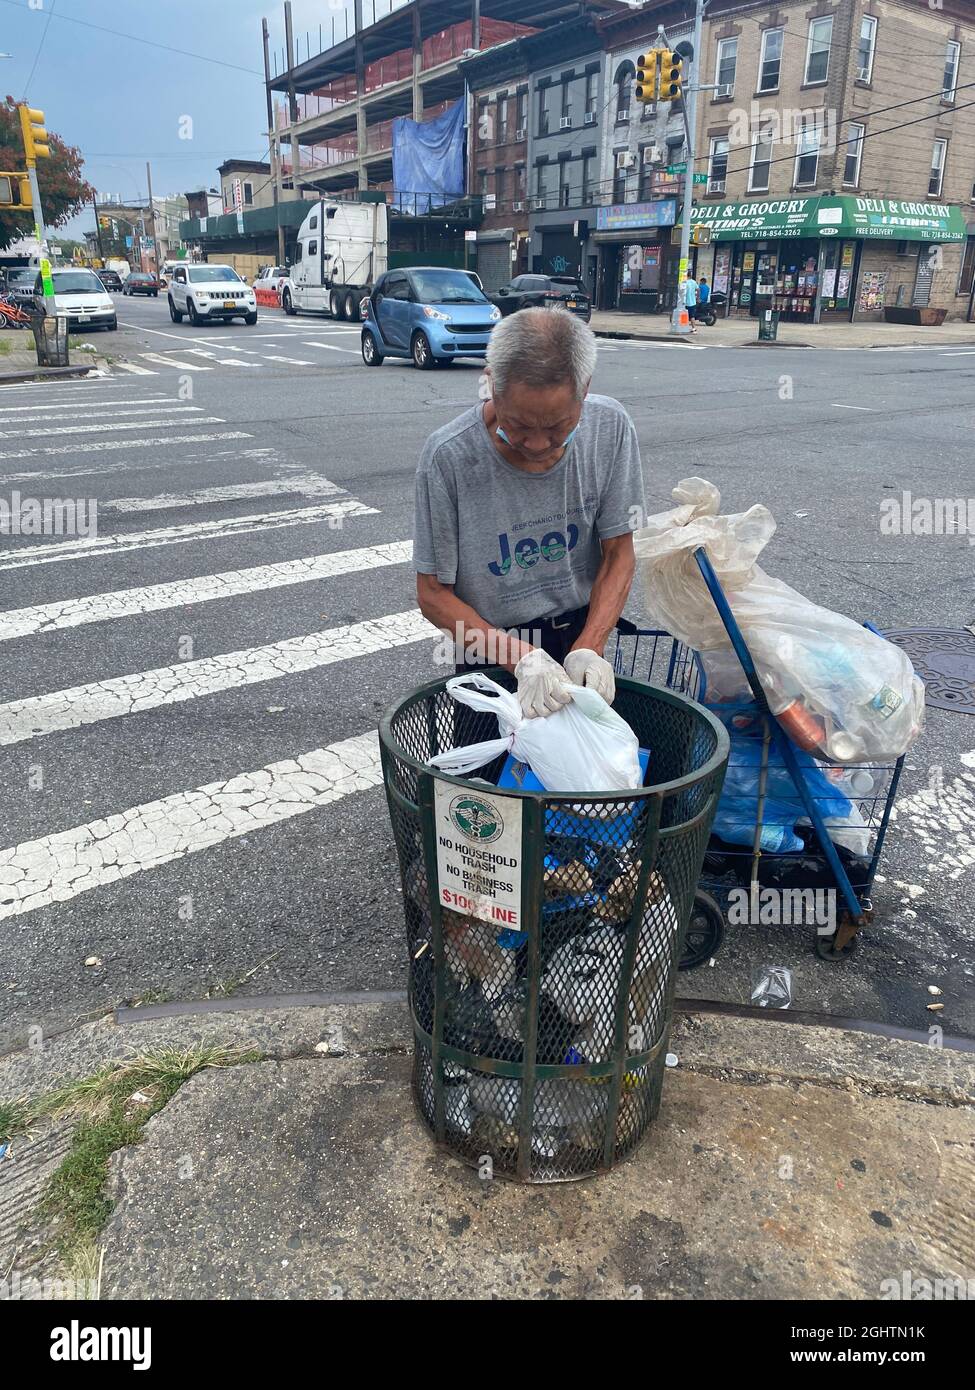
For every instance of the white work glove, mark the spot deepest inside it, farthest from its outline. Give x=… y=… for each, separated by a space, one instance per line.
x=542 y=684
x=585 y=667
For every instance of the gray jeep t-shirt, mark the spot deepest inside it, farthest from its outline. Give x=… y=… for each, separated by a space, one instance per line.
x=521 y=546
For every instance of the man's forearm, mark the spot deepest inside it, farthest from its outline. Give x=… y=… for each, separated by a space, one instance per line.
x=441 y=606
x=607 y=601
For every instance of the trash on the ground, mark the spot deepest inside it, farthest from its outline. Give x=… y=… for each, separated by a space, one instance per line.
x=773 y=989
x=93 y=960
x=671 y=1059
x=140 y=1097
x=837 y=688
x=4 y=1148
x=935 y=1008
x=933 y=989
x=583 y=747
x=275 y=709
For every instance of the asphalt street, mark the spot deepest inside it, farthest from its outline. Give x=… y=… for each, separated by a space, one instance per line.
x=197 y=690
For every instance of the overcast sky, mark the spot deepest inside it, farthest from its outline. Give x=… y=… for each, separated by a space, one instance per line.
x=123 y=100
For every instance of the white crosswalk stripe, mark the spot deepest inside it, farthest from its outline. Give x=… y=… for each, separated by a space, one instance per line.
x=192 y=680
x=138 y=430
x=95 y=546
x=172 y=362
x=135 y=369
x=56 y=868
x=155 y=598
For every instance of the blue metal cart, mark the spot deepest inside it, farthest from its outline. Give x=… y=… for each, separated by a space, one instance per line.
x=823 y=862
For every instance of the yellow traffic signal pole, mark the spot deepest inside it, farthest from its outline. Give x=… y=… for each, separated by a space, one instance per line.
x=694 y=56
x=35 y=148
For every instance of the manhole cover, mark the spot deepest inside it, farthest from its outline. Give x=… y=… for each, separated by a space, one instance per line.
x=944 y=658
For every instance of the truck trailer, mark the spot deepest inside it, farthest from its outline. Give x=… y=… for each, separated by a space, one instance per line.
x=342 y=250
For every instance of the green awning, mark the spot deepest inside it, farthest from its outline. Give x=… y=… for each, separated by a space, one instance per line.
x=894 y=219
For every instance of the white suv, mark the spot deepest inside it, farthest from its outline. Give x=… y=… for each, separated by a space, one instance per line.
x=208 y=292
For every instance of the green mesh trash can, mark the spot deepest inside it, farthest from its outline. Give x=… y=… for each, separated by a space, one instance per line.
x=544 y=933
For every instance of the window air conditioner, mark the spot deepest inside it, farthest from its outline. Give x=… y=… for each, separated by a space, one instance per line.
x=538 y=204
x=625 y=160
x=517 y=207
x=863 y=74
x=565 y=123
x=520 y=133
x=726 y=89
x=715 y=185
x=622 y=114
x=589 y=118
x=652 y=154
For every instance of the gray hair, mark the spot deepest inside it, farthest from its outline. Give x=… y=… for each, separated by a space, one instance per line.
x=542 y=347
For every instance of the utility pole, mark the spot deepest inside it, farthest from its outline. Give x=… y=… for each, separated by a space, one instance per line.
x=690 y=134
x=36 y=147
x=273 y=148
x=152 y=218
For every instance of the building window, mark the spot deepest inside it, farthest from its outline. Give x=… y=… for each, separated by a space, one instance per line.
x=952 y=55
x=587 y=188
x=543 y=110
x=771 y=65
x=854 y=153
x=807 y=154
x=724 y=68
x=760 y=167
x=565 y=185
x=523 y=112
x=646 y=178
x=592 y=83
x=718 y=165
x=967 y=277
x=817 y=51
x=483 y=178
x=248 y=194
x=939 y=154
x=868 y=41
x=619 y=179
x=567 y=101
x=502 y=120
x=540 y=189
x=624 y=87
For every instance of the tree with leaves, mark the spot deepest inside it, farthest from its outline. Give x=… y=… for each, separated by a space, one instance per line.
x=64 y=192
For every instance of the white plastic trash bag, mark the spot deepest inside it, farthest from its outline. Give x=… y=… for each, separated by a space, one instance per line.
x=583 y=747
x=838 y=689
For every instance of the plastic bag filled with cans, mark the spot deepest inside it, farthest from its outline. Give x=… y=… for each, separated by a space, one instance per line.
x=838 y=689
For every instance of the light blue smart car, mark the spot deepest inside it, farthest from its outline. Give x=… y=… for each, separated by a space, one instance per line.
x=430 y=313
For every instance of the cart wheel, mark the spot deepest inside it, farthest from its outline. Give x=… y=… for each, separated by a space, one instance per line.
x=845 y=934
x=705 y=932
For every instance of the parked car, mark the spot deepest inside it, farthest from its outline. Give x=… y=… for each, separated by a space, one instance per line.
x=272 y=277
x=19 y=287
x=545 y=292
x=110 y=279
x=81 y=297
x=429 y=313
x=206 y=292
x=139 y=282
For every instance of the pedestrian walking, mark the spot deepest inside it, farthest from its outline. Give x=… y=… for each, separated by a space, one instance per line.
x=688 y=289
x=525 y=511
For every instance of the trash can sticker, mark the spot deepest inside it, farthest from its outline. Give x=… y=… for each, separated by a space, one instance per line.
x=479 y=854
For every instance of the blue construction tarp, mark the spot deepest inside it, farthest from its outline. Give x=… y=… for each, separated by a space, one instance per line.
x=428 y=161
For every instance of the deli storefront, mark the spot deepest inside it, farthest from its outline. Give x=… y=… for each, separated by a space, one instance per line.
x=637 y=265
x=825 y=257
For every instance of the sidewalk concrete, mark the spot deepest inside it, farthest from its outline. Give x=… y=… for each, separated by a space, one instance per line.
x=18 y=359
x=744 y=333
x=788 y=1162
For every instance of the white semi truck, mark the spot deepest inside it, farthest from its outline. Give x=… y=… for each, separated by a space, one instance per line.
x=342 y=251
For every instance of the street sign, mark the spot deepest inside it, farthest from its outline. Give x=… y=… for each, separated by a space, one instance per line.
x=677 y=168
x=700 y=178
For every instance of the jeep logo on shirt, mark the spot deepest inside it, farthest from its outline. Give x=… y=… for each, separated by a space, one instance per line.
x=528 y=551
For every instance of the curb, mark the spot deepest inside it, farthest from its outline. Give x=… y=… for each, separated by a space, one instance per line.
x=43 y=373
x=674 y=340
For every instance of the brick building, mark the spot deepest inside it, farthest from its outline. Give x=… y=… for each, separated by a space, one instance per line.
x=822 y=200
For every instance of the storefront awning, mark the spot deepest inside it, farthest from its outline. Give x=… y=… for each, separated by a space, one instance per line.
x=822 y=215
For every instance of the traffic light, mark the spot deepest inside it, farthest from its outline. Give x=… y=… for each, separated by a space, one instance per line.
x=35 y=136
x=701 y=234
x=671 y=77
x=647 y=76
x=15 y=192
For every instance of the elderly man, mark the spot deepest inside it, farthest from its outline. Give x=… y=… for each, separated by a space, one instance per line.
x=525 y=509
